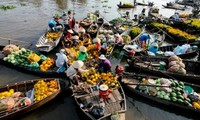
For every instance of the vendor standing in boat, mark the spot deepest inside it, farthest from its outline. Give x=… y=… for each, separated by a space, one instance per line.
x=104 y=65
x=143 y=40
x=82 y=55
x=61 y=59
x=74 y=70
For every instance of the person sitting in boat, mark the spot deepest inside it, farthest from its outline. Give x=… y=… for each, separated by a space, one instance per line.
x=104 y=64
x=87 y=39
x=153 y=48
x=75 y=40
x=74 y=70
x=118 y=39
x=94 y=25
x=82 y=55
x=76 y=27
x=143 y=39
x=81 y=33
x=61 y=59
x=53 y=24
x=69 y=34
x=97 y=43
x=65 y=20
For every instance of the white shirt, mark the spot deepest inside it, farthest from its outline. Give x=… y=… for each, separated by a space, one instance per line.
x=76 y=27
x=61 y=59
x=71 y=72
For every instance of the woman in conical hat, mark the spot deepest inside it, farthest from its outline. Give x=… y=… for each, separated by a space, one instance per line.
x=82 y=55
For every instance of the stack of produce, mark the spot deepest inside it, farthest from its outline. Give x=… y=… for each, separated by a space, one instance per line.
x=52 y=35
x=126 y=38
x=176 y=65
x=27 y=58
x=12 y=100
x=93 y=77
x=173 y=31
x=193 y=23
x=177 y=92
x=46 y=64
x=135 y=31
x=127 y=4
x=44 y=89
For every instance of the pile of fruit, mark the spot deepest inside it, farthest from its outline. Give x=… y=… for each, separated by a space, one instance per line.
x=46 y=64
x=126 y=38
x=93 y=77
x=195 y=23
x=27 y=58
x=183 y=15
x=6 y=93
x=173 y=31
x=135 y=31
x=44 y=89
x=52 y=35
x=177 y=92
x=127 y=4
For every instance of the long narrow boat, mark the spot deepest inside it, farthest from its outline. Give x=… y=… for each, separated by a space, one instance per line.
x=169 y=94
x=174 y=7
x=145 y=4
x=135 y=45
x=151 y=65
x=125 y=6
x=24 y=66
x=189 y=54
x=28 y=95
x=48 y=41
x=113 y=108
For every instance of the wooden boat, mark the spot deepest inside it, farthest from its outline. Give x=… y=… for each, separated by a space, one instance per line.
x=114 y=108
x=135 y=44
x=189 y=2
x=151 y=65
x=51 y=72
x=173 y=7
x=28 y=88
x=171 y=99
x=125 y=6
x=92 y=16
x=48 y=41
x=145 y=4
x=189 y=54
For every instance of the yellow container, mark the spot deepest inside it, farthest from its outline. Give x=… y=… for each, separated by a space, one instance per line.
x=34 y=57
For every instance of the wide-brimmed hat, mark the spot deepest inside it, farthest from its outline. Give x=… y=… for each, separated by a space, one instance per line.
x=103 y=87
x=70 y=31
x=62 y=51
x=75 y=37
x=154 y=44
x=82 y=30
x=96 y=40
x=78 y=64
x=83 y=49
x=102 y=57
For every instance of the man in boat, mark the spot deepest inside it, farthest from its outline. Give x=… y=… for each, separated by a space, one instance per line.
x=82 y=55
x=74 y=71
x=69 y=34
x=104 y=64
x=94 y=25
x=75 y=40
x=61 y=59
x=53 y=24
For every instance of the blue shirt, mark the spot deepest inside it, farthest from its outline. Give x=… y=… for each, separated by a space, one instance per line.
x=52 y=23
x=144 y=37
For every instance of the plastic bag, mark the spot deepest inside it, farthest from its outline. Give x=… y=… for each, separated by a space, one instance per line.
x=97 y=111
x=177 y=50
x=169 y=53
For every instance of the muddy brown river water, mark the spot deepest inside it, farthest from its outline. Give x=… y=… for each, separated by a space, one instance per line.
x=29 y=20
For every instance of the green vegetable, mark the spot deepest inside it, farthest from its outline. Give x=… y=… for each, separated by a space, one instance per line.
x=180 y=101
x=174 y=99
x=173 y=94
x=180 y=97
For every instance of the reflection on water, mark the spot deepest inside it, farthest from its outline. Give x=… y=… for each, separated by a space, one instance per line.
x=29 y=20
